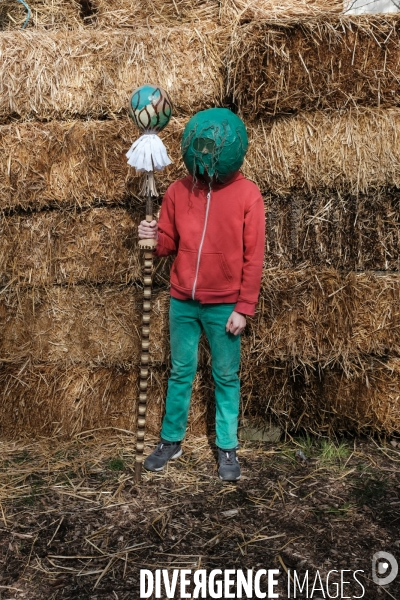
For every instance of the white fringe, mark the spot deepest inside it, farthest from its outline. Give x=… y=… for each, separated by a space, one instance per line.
x=148 y=153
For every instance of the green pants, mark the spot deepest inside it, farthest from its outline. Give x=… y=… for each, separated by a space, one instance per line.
x=187 y=319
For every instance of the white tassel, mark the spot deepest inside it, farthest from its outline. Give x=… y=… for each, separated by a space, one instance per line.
x=148 y=153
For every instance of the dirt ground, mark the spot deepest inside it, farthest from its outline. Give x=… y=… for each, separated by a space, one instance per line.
x=73 y=524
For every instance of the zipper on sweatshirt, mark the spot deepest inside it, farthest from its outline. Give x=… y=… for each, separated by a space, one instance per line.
x=201 y=245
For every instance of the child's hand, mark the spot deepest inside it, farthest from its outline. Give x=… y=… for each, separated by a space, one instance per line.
x=148 y=230
x=236 y=323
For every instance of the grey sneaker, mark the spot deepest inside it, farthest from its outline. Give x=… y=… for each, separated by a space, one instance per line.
x=228 y=465
x=164 y=451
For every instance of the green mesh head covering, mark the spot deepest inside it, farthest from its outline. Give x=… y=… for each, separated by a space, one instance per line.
x=214 y=141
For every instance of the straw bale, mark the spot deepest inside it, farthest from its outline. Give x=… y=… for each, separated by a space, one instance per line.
x=268 y=394
x=45 y=14
x=83 y=162
x=243 y=11
x=329 y=228
x=57 y=75
x=351 y=151
x=130 y=13
x=98 y=245
x=79 y=163
x=365 y=399
x=80 y=324
x=320 y=63
x=39 y=400
x=322 y=315
x=304 y=315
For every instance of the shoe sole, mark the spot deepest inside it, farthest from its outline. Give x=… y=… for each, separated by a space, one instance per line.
x=177 y=455
x=224 y=479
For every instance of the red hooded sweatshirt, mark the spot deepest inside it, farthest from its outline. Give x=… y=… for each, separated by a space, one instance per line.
x=218 y=236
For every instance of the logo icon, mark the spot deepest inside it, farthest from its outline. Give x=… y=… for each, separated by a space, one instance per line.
x=384 y=568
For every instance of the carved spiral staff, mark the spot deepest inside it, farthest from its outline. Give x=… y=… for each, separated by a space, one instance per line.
x=151 y=109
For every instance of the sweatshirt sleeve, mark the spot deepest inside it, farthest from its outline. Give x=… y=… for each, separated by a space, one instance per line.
x=168 y=238
x=253 y=257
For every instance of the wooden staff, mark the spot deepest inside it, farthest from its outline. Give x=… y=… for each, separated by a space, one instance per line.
x=147 y=245
x=151 y=109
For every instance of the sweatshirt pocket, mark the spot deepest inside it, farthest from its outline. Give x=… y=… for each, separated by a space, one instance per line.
x=214 y=273
x=184 y=269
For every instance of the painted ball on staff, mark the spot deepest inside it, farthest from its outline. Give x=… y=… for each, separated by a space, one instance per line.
x=150 y=108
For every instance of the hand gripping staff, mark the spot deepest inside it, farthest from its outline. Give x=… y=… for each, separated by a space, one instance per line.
x=151 y=109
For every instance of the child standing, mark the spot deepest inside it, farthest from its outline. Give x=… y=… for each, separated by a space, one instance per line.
x=213 y=220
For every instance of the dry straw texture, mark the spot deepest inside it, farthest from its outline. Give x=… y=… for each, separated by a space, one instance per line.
x=243 y=11
x=80 y=324
x=81 y=162
x=98 y=245
x=57 y=76
x=120 y=14
x=76 y=163
x=333 y=229
x=350 y=151
x=42 y=400
x=45 y=14
x=305 y=316
x=363 y=400
x=366 y=400
x=130 y=13
x=322 y=63
x=321 y=315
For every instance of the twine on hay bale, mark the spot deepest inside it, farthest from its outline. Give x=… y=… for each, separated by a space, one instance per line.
x=330 y=228
x=322 y=63
x=45 y=14
x=348 y=151
x=78 y=163
x=93 y=246
x=59 y=75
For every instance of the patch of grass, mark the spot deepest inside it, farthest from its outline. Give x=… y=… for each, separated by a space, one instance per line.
x=330 y=453
x=325 y=451
x=306 y=444
x=334 y=511
x=116 y=464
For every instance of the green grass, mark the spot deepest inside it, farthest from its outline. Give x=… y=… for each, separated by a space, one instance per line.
x=116 y=464
x=330 y=453
x=325 y=451
x=333 y=511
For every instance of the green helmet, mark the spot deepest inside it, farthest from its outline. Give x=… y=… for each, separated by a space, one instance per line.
x=214 y=141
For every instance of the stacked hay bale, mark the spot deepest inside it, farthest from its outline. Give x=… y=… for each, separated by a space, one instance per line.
x=318 y=93
x=320 y=98
x=71 y=300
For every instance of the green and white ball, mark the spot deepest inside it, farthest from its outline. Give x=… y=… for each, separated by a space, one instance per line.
x=150 y=108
